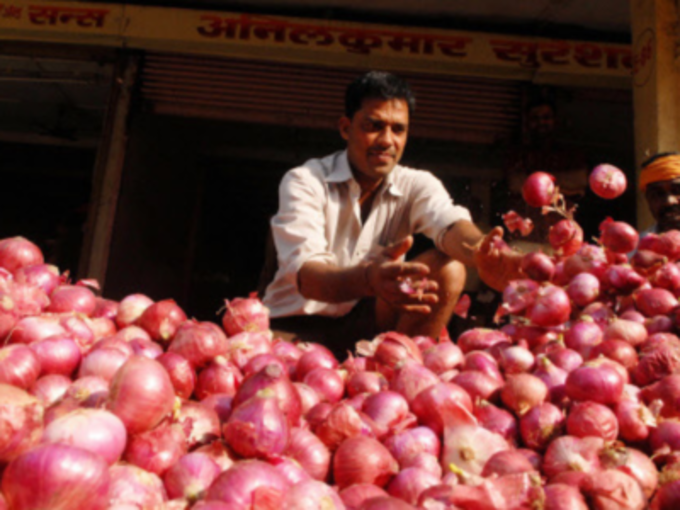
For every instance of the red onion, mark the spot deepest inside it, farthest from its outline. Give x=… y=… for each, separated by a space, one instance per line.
x=313 y=359
x=478 y=384
x=34 y=329
x=342 y=422
x=246 y=482
x=245 y=314
x=257 y=427
x=592 y=419
x=666 y=434
x=220 y=403
x=221 y=376
x=412 y=378
x=50 y=388
x=559 y=496
x=132 y=487
x=516 y=359
x=655 y=301
x=200 y=423
x=356 y=495
x=551 y=307
x=518 y=295
x=327 y=383
x=583 y=336
x=553 y=377
x=635 y=420
x=191 y=476
x=105 y=309
x=566 y=237
x=566 y=359
x=181 y=373
x=386 y=503
x=618 y=236
x=131 y=332
x=668 y=496
x=507 y=462
x=319 y=413
x=634 y=463
x=588 y=259
x=260 y=361
x=20 y=421
x=443 y=357
x=198 y=342
x=44 y=276
x=607 y=181
x=484 y=362
x=617 y=350
x=426 y=461
x=497 y=420
x=538 y=266
x=392 y=348
x=409 y=483
x=612 y=488
x=521 y=392
x=387 y=408
x=658 y=324
x=103 y=362
x=569 y=453
x=601 y=384
x=631 y=332
x=131 y=308
x=157 y=450
x=90 y=391
x=245 y=346
x=363 y=460
x=72 y=298
x=441 y=403
x=656 y=363
x=409 y=443
x=469 y=447
x=162 y=320
x=583 y=289
x=539 y=189
x=102 y=327
x=18 y=252
x=287 y=352
x=366 y=382
x=312 y=494
x=147 y=348
x=310 y=452
x=272 y=376
x=94 y=430
x=19 y=366
x=308 y=397
x=478 y=339
x=58 y=477
x=141 y=394
x=541 y=425
x=220 y=453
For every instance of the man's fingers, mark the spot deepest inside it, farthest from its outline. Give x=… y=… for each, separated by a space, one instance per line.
x=404 y=269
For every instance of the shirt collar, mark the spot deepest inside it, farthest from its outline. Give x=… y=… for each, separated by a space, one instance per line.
x=341 y=172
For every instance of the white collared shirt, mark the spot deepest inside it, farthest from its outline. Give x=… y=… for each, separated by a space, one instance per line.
x=319 y=218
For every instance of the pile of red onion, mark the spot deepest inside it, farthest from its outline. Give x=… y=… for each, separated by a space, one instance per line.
x=573 y=402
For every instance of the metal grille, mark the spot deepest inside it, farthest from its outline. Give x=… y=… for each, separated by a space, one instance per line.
x=448 y=107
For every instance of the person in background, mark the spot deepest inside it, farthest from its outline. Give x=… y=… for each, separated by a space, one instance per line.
x=345 y=223
x=540 y=150
x=660 y=182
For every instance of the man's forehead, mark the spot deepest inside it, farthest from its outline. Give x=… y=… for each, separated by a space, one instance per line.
x=379 y=108
x=663 y=185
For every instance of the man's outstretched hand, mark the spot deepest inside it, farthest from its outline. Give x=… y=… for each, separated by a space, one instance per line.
x=497 y=264
x=388 y=277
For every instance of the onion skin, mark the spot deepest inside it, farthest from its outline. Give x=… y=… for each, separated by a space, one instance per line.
x=559 y=496
x=541 y=425
x=19 y=366
x=21 y=421
x=409 y=484
x=521 y=392
x=141 y=394
x=50 y=388
x=363 y=460
x=181 y=373
x=58 y=477
x=19 y=252
x=72 y=298
x=200 y=423
x=198 y=342
x=592 y=419
x=221 y=376
x=355 y=495
x=603 y=384
x=612 y=488
x=162 y=320
x=538 y=189
x=131 y=308
x=245 y=314
x=157 y=450
x=569 y=453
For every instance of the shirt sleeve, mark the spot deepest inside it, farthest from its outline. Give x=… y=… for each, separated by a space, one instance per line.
x=432 y=208
x=299 y=226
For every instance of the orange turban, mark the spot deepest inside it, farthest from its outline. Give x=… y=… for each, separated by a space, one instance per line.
x=663 y=169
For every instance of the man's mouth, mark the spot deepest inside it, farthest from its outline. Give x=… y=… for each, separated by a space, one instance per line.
x=382 y=156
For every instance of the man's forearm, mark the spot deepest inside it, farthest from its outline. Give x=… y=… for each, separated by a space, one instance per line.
x=323 y=282
x=459 y=240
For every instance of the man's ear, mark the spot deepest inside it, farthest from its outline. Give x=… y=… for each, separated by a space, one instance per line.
x=343 y=126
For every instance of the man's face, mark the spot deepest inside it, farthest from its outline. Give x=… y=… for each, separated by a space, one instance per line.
x=663 y=199
x=376 y=136
x=541 y=121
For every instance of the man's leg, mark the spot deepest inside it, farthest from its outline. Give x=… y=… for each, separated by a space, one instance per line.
x=450 y=275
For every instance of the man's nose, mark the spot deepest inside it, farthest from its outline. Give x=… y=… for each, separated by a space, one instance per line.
x=386 y=138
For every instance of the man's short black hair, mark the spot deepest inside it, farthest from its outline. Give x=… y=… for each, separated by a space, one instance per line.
x=660 y=155
x=377 y=85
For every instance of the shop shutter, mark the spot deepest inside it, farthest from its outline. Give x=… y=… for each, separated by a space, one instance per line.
x=466 y=109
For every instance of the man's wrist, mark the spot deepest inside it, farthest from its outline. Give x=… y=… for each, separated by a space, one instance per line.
x=368 y=286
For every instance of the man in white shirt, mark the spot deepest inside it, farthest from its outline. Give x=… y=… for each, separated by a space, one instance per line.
x=345 y=223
